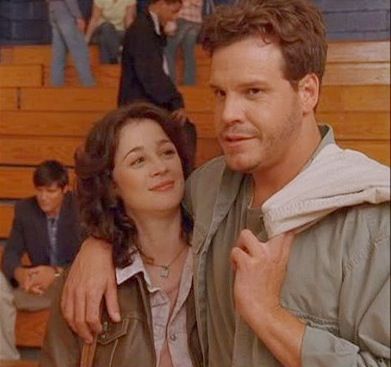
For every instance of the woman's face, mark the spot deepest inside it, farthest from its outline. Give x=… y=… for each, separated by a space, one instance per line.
x=147 y=174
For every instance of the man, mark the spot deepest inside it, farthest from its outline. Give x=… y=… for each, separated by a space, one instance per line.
x=185 y=35
x=107 y=26
x=144 y=70
x=46 y=228
x=67 y=35
x=304 y=224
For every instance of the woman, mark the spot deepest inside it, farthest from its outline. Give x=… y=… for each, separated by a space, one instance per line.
x=130 y=183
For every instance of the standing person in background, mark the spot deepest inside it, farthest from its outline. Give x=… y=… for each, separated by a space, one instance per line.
x=46 y=228
x=188 y=27
x=144 y=70
x=107 y=26
x=67 y=35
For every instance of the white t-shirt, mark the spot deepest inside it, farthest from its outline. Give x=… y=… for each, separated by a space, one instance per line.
x=114 y=11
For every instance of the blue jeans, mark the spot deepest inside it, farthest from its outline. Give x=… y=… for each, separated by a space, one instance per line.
x=67 y=37
x=109 y=41
x=186 y=37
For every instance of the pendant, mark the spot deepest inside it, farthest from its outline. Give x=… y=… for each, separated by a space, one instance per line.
x=164 y=272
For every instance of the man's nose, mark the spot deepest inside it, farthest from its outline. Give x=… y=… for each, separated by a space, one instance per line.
x=231 y=111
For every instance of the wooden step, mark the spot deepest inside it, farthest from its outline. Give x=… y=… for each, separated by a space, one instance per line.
x=21 y=75
x=6 y=218
x=8 y=99
x=19 y=363
x=30 y=328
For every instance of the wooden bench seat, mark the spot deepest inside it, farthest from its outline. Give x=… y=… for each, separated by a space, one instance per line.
x=21 y=75
x=19 y=363
x=6 y=218
x=30 y=328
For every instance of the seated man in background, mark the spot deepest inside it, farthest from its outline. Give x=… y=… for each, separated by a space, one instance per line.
x=107 y=26
x=45 y=227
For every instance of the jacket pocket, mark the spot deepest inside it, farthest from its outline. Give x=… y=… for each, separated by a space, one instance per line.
x=112 y=331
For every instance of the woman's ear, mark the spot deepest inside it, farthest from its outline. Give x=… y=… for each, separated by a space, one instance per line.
x=309 y=92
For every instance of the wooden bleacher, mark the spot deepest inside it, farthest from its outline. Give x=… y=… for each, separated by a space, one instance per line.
x=39 y=122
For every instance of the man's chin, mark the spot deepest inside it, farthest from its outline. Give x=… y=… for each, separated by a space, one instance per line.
x=239 y=164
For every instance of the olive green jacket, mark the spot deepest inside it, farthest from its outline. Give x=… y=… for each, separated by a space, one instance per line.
x=337 y=281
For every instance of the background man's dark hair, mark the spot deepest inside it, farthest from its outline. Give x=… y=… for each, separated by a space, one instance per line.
x=50 y=172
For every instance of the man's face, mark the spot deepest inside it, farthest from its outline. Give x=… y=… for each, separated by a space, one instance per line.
x=169 y=12
x=258 y=114
x=50 y=198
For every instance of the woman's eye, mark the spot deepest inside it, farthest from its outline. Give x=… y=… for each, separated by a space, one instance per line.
x=169 y=152
x=137 y=162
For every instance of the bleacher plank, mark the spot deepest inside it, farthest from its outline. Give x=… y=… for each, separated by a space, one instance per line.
x=358 y=51
x=38 y=54
x=33 y=150
x=6 y=218
x=18 y=363
x=47 y=123
x=16 y=182
x=357 y=74
x=75 y=123
x=30 y=328
x=8 y=99
x=355 y=98
x=68 y=99
x=21 y=75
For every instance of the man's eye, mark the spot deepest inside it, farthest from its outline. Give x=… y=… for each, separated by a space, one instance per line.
x=252 y=92
x=219 y=93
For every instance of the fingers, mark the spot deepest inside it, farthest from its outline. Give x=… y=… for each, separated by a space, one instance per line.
x=112 y=302
x=238 y=257
x=79 y=321
x=277 y=246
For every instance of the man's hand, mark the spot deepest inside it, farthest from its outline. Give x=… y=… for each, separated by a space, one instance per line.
x=40 y=278
x=92 y=277
x=179 y=115
x=22 y=276
x=81 y=24
x=260 y=272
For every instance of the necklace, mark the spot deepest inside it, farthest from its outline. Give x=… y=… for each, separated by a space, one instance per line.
x=165 y=268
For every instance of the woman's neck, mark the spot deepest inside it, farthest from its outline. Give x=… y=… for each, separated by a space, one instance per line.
x=160 y=237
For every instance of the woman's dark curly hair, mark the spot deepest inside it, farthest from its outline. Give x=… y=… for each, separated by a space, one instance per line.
x=295 y=25
x=102 y=213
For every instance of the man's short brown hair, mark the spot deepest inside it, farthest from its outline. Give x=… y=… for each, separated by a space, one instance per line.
x=295 y=25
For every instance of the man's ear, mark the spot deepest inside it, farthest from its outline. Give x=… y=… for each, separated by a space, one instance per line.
x=309 y=92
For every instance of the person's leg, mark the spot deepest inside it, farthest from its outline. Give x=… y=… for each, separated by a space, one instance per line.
x=59 y=53
x=7 y=321
x=172 y=45
x=78 y=48
x=109 y=42
x=188 y=46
